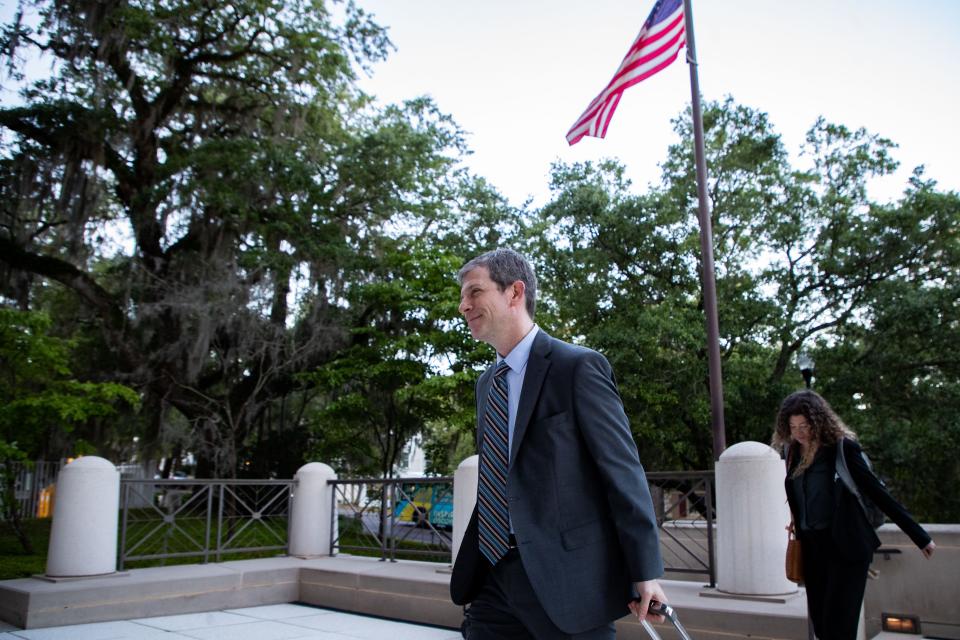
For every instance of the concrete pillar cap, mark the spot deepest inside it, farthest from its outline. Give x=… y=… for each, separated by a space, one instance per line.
x=749 y=450
x=91 y=463
x=316 y=467
x=469 y=463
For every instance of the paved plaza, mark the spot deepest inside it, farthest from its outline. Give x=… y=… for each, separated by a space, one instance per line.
x=271 y=622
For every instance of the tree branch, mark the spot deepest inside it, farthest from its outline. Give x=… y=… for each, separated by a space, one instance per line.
x=70 y=276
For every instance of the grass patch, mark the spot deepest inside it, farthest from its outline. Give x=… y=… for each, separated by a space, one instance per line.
x=356 y=540
x=14 y=562
x=147 y=535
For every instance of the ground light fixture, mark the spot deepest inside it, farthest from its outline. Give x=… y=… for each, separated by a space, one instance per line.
x=900 y=623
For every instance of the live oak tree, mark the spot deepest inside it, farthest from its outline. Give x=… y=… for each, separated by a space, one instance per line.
x=208 y=181
x=200 y=197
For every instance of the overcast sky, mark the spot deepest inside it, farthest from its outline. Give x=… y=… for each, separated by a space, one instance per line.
x=517 y=73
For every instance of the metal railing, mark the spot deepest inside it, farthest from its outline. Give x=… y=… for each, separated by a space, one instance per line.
x=400 y=518
x=206 y=519
x=409 y=518
x=686 y=512
x=33 y=485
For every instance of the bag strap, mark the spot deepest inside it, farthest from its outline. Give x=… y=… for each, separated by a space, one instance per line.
x=843 y=472
x=787 y=453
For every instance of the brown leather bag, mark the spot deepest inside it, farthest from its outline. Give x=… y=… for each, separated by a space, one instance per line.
x=794 y=559
x=794 y=562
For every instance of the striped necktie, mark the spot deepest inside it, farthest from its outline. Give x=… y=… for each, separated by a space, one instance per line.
x=492 y=515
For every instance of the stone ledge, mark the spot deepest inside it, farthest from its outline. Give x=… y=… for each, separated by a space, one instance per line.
x=34 y=603
x=410 y=590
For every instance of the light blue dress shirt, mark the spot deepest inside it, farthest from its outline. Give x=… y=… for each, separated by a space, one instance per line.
x=517 y=361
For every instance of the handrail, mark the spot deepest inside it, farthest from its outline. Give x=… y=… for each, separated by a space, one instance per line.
x=203 y=481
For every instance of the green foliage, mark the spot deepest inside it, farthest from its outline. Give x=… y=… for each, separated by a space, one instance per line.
x=39 y=400
x=805 y=261
x=261 y=188
x=391 y=381
x=287 y=283
x=901 y=362
x=38 y=394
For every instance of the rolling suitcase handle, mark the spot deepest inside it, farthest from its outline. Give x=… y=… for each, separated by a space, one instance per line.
x=665 y=610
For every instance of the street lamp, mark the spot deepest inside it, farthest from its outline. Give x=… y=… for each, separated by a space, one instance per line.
x=806 y=364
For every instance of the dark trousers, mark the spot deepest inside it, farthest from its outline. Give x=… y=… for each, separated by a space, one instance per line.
x=507 y=608
x=835 y=586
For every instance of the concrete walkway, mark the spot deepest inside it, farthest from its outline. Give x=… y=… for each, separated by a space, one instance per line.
x=269 y=622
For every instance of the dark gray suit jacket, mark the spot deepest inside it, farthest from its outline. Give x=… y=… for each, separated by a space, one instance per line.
x=578 y=496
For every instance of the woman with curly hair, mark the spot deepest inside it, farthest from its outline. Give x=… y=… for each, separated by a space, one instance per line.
x=836 y=539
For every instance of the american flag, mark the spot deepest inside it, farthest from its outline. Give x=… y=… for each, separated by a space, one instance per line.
x=655 y=47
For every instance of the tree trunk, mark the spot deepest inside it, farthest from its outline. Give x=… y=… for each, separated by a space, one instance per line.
x=12 y=509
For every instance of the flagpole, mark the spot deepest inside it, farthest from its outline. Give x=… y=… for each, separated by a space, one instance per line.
x=707 y=276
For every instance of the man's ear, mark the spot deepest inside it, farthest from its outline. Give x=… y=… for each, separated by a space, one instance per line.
x=519 y=290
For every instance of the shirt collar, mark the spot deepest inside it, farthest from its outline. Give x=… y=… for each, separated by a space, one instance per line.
x=518 y=356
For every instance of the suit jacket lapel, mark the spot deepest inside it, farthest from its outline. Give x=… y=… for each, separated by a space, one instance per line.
x=537 y=365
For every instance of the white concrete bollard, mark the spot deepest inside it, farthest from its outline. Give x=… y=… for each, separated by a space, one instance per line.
x=752 y=512
x=465 y=480
x=83 y=538
x=312 y=511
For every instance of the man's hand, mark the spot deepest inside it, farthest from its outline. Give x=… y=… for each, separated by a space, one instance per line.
x=647 y=591
x=927 y=551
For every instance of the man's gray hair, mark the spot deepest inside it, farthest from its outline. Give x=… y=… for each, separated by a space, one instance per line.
x=506 y=266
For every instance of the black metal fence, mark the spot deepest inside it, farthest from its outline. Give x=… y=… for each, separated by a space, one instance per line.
x=685 y=502
x=33 y=487
x=412 y=518
x=401 y=518
x=204 y=519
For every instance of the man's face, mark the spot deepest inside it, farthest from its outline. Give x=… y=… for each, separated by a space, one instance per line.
x=485 y=308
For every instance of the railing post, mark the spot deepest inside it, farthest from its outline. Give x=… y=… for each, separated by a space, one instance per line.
x=334 y=520
x=391 y=522
x=219 y=519
x=209 y=525
x=124 y=514
x=386 y=536
x=290 y=488
x=709 y=496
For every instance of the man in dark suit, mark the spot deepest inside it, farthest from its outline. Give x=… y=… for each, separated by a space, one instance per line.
x=564 y=536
